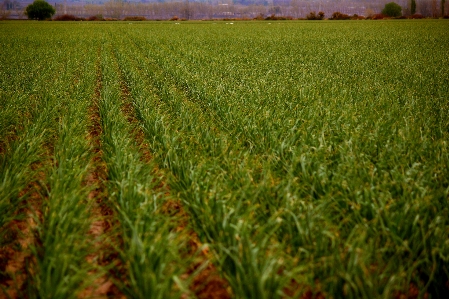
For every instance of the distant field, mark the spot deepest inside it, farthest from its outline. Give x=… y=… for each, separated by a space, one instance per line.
x=293 y=159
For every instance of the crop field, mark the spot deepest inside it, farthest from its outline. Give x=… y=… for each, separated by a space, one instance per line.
x=259 y=160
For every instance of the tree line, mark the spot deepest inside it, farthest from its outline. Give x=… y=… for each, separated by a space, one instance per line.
x=185 y=9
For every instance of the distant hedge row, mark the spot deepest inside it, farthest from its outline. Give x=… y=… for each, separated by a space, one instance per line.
x=311 y=16
x=67 y=17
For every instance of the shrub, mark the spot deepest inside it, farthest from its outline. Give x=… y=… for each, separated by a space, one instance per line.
x=259 y=17
x=313 y=16
x=357 y=17
x=280 y=18
x=379 y=16
x=39 y=10
x=339 y=16
x=66 y=17
x=98 y=17
x=416 y=16
x=134 y=19
x=4 y=14
x=392 y=10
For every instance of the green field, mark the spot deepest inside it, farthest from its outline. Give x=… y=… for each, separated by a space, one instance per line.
x=293 y=159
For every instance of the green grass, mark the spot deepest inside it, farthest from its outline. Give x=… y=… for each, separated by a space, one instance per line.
x=306 y=154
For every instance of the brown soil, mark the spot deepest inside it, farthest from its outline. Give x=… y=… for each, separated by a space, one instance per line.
x=100 y=229
x=310 y=295
x=128 y=111
x=139 y=136
x=2 y=148
x=207 y=283
x=103 y=220
x=297 y=290
x=413 y=293
x=16 y=257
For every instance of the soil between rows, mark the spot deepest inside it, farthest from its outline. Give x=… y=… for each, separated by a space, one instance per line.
x=207 y=283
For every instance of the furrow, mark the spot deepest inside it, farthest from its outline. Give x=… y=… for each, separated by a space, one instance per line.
x=151 y=249
x=16 y=257
x=61 y=268
x=205 y=280
x=103 y=228
x=22 y=193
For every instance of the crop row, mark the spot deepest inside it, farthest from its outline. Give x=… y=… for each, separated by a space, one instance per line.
x=326 y=165
x=307 y=157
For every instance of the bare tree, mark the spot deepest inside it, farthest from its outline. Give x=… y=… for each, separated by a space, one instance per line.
x=424 y=8
x=5 y=9
x=114 y=8
x=19 y=10
x=434 y=9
